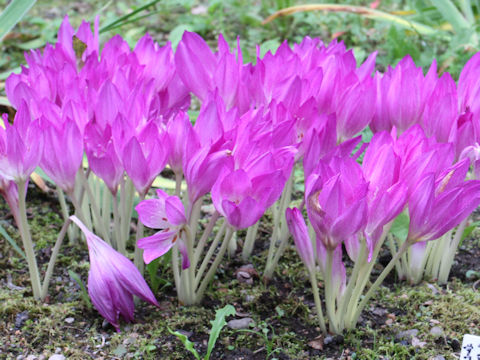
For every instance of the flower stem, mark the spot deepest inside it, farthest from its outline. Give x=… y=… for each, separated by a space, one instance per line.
x=318 y=303
x=95 y=208
x=53 y=257
x=379 y=280
x=209 y=254
x=27 y=241
x=359 y=263
x=176 y=271
x=178 y=183
x=447 y=260
x=201 y=243
x=121 y=246
x=65 y=213
x=330 y=295
x=362 y=278
x=282 y=232
x=250 y=241
x=138 y=257
x=189 y=273
x=213 y=268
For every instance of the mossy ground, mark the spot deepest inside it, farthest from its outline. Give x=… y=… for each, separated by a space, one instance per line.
x=283 y=310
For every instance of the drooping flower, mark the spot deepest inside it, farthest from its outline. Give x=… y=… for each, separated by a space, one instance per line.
x=113 y=280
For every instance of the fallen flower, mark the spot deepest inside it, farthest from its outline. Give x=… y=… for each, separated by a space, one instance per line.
x=113 y=280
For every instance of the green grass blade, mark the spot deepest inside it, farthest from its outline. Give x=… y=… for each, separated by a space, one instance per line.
x=13 y=14
x=123 y=19
x=451 y=14
x=83 y=290
x=467 y=10
x=135 y=19
x=422 y=29
x=187 y=343
x=12 y=242
x=217 y=326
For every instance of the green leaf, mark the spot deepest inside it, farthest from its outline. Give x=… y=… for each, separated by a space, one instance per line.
x=400 y=226
x=83 y=290
x=13 y=14
x=12 y=242
x=176 y=34
x=360 y=10
x=187 y=343
x=472 y=274
x=269 y=45
x=130 y=17
x=451 y=14
x=217 y=326
x=120 y=351
x=469 y=229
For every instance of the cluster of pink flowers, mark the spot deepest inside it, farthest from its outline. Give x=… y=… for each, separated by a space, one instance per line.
x=127 y=112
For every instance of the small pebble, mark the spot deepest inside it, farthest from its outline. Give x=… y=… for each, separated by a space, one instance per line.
x=20 y=319
x=436 y=331
x=57 y=357
x=337 y=339
x=69 y=320
x=238 y=324
x=407 y=334
x=249 y=298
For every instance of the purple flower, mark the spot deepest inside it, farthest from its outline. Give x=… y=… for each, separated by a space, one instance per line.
x=401 y=96
x=439 y=203
x=166 y=213
x=336 y=200
x=63 y=152
x=243 y=199
x=113 y=280
x=355 y=107
x=298 y=228
x=145 y=156
x=102 y=156
x=21 y=146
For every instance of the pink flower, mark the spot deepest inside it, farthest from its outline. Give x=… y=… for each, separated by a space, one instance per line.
x=113 y=280
x=243 y=199
x=298 y=228
x=166 y=213
x=102 y=156
x=401 y=96
x=439 y=203
x=63 y=152
x=336 y=200
x=21 y=146
x=145 y=156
